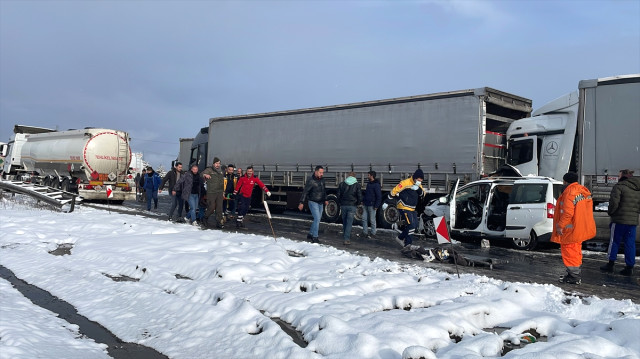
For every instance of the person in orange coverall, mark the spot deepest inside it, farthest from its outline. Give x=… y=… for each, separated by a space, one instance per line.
x=573 y=223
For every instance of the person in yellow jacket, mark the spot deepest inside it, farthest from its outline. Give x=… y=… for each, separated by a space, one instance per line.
x=409 y=192
x=230 y=180
x=573 y=223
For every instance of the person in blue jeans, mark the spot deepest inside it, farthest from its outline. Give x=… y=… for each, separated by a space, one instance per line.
x=191 y=186
x=624 y=208
x=349 y=197
x=409 y=193
x=152 y=186
x=372 y=200
x=315 y=194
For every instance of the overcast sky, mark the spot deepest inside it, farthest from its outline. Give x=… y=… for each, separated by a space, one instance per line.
x=161 y=69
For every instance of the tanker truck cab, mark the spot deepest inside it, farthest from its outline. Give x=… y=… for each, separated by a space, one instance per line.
x=542 y=145
x=4 y=149
x=512 y=208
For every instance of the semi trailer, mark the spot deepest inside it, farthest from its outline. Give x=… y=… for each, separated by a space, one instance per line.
x=94 y=162
x=449 y=135
x=594 y=131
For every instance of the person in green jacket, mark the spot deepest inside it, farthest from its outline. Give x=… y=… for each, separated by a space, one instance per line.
x=215 y=192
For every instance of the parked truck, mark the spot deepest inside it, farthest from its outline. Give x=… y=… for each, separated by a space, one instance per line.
x=449 y=135
x=93 y=162
x=594 y=131
x=184 y=153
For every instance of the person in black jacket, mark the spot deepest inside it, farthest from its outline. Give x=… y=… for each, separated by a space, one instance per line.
x=372 y=200
x=624 y=208
x=192 y=187
x=315 y=194
x=140 y=188
x=349 y=197
x=176 y=200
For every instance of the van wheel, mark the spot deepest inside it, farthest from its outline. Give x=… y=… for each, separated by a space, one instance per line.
x=429 y=226
x=331 y=211
x=526 y=244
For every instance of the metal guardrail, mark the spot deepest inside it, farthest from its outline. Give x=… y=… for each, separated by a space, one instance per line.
x=62 y=200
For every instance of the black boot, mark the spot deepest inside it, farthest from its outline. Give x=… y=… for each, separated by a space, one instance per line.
x=628 y=270
x=607 y=267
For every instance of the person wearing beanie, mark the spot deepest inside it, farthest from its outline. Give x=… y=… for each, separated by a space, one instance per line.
x=624 y=208
x=215 y=192
x=573 y=223
x=409 y=192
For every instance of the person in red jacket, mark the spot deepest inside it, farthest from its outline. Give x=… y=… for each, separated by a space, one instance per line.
x=573 y=223
x=244 y=187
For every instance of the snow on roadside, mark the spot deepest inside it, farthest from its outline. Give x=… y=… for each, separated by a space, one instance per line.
x=29 y=331
x=190 y=293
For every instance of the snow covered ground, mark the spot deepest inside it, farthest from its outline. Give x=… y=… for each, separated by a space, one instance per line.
x=209 y=294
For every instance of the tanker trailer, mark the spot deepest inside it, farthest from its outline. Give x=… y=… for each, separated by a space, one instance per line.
x=93 y=162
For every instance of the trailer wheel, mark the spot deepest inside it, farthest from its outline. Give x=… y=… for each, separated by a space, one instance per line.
x=64 y=184
x=357 y=218
x=331 y=211
x=525 y=244
x=388 y=216
x=47 y=181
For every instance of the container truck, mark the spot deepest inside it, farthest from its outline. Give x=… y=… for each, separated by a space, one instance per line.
x=94 y=162
x=199 y=148
x=449 y=135
x=594 y=131
x=184 y=154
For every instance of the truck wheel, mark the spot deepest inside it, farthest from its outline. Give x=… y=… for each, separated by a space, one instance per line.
x=331 y=211
x=526 y=244
x=429 y=226
x=47 y=181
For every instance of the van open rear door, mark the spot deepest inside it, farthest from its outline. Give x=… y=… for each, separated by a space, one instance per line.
x=452 y=205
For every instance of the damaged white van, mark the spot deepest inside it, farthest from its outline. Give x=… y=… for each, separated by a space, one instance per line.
x=517 y=209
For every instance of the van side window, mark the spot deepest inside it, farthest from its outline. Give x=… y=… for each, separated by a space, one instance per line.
x=528 y=193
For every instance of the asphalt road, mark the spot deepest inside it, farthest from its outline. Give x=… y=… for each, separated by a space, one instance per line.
x=544 y=265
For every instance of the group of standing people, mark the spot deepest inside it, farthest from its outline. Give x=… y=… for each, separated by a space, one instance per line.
x=227 y=191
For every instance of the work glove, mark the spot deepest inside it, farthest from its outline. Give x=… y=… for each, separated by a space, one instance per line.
x=268 y=194
x=415 y=187
x=384 y=206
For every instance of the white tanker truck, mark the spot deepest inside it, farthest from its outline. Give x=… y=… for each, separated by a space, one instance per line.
x=94 y=162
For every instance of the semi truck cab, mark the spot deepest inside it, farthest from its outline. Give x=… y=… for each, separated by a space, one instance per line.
x=542 y=145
